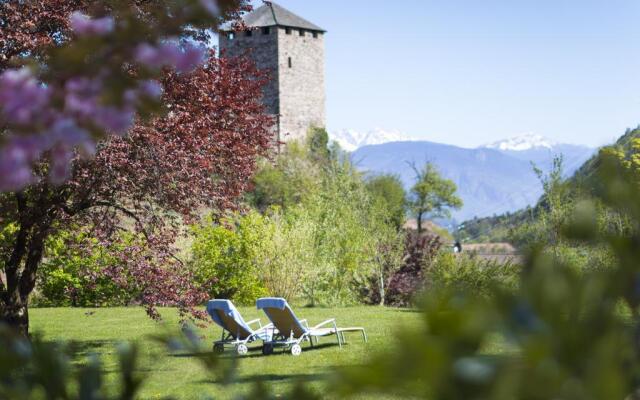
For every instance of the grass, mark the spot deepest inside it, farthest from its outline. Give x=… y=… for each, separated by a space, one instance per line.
x=181 y=376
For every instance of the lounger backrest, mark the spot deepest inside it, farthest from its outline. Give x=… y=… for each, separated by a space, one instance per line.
x=282 y=316
x=225 y=314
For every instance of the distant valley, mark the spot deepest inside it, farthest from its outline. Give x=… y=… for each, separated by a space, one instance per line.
x=491 y=179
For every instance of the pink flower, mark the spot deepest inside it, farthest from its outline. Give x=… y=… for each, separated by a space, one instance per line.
x=169 y=54
x=151 y=89
x=15 y=162
x=189 y=59
x=60 y=164
x=22 y=97
x=66 y=131
x=113 y=119
x=84 y=25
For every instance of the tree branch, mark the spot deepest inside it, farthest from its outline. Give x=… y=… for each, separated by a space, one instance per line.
x=123 y=210
x=133 y=215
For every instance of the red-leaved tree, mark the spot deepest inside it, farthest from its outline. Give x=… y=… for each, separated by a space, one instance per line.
x=200 y=154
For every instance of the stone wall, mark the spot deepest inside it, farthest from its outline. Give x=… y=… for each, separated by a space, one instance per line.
x=262 y=48
x=296 y=62
x=301 y=82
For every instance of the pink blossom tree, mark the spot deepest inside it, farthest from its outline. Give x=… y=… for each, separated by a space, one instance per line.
x=136 y=133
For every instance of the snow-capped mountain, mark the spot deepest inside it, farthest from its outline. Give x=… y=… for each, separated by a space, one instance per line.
x=523 y=142
x=351 y=139
x=491 y=179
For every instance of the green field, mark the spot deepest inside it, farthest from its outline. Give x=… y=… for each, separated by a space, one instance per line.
x=181 y=376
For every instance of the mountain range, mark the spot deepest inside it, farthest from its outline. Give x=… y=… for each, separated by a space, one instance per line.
x=491 y=179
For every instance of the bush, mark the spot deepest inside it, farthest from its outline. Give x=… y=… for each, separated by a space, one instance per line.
x=327 y=228
x=460 y=272
x=71 y=273
x=225 y=256
x=409 y=279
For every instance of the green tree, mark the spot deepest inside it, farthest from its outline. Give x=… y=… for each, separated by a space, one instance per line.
x=432 y=195
x=318 y=144
x=285 y=181
x=387 y=190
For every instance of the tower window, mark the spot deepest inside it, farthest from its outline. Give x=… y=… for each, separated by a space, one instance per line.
x=287 y=31
x=315 y=35
x=231 y=35
x=266 y=30
x=301 y=32
x=249 y=33
x=290 y=63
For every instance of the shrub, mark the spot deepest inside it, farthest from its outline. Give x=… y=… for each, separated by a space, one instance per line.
x=287 y=261
x=224 y=256
x=72 y=273
x=409 y=279
x=460 y=272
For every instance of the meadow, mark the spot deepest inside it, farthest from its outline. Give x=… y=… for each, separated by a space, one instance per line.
x=99 y=331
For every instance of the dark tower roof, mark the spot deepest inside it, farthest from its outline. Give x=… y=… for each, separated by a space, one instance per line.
x=272 y=14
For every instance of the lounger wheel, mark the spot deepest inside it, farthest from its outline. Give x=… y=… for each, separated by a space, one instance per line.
x=267 y=349
x=218 y=348
x=296 y=349
x=242 y=349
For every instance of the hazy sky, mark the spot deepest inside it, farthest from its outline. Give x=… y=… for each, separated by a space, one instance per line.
x=471 y=72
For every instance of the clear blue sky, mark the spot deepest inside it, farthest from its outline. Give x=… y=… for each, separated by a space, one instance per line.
x=471 y=72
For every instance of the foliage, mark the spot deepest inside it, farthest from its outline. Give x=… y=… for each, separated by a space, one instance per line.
x=147 y=183
x=225 y=256
x=469 y=274
x=408 y=281
x=494 y=229
x=349 y=230
x=287 y=181
x=330 y=236
x=287 y=255
x=568 y=328
x=568 y=331
x=389 y=192
x=38 y=369
x=75 y=273
x=318 y=144
x=583 y=183
x=432 y=195
x=85 y=77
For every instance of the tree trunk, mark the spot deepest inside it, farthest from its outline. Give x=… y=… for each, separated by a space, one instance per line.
x=15 y=315
x=419 y=221
x=20 y=272
x=381 y=289
x=381 y=266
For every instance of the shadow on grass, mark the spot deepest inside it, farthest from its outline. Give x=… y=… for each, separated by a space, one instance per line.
x=272 y=378
x=406 y=310
x=256 y=352
x=80 y=349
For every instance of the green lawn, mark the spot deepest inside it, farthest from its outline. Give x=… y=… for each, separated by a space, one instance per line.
x=181 y=376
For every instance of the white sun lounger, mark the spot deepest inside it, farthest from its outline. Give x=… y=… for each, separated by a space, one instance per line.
x=236 y=332
x=289 y=332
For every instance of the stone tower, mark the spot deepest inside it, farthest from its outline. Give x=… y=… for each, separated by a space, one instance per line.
x=291 y=49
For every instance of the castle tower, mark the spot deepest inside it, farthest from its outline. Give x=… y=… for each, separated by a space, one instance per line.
x=291 y=49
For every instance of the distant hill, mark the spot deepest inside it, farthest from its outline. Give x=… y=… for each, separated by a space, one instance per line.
x=498 y=227
x=491 y=179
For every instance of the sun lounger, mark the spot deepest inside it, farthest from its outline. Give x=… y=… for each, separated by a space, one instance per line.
x=289 y=332
x=235 y=331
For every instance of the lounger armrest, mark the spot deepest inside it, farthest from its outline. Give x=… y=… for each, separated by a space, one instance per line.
x=305 y=323
x=329 y=321
x=267 y=326
x=254 y=321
